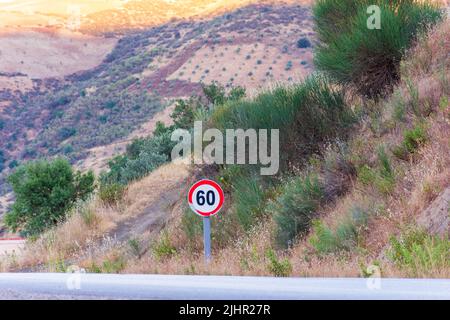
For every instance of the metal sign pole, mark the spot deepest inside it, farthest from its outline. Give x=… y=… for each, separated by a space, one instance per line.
x=207 y=238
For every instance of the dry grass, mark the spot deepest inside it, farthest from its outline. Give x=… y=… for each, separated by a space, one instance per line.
x=417 y=182
x=87 y=228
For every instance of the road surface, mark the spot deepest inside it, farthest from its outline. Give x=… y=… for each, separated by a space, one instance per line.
x=105 y=286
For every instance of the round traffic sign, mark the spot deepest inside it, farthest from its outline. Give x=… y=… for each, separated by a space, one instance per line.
x=206 y=198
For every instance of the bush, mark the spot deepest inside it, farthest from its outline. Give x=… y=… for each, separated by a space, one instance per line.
x=343 y=238
x=303 y=43
x=306 y=115
x=65 y=133
x=164 y=248
x=111 y=194
x=382 y=176
x=368 y=59
x=249 y=200
x=276 y=267
x=45 y=191
x=296 y=207
x=420 y=254
x=183 y=115
x=191 y=225
x=90 y=218
x=142 y=157
x=412 y=140
x=114 y=265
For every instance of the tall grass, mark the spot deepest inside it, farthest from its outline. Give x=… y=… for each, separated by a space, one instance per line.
x=419 y=253
x=344 y=237
x=306 y=114
x=249 y=199
x=368 y=59
x=296 y=207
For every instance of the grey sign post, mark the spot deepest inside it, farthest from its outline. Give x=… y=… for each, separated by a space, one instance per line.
x=206 y=198
x=207 y=238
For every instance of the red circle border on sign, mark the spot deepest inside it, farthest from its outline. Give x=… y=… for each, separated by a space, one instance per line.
x=213 y=184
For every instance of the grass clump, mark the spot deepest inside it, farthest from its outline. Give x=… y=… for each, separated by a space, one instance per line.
x=419 y=253
x=89 y=216
x=412 y=140
x=135 y=247
x=368 y=58
x=191 y=225
x=249 y=200
x=164 y=248
x=382 y=177
x=306 y=114
x=111 y=194
x=279 y=268
x=296 y=207
x=344 y=237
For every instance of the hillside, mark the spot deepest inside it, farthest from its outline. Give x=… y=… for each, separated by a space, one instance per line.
x=392 y=204
x=363 y=183
x=74 y=114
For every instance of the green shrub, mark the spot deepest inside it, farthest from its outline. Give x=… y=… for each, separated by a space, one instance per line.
x=135 y=247
x=142 y=157
x=382 y=177
x=164 y=248
x=114 y=265
x=343 y=238
x=420 y=254
x=249 y=200
x=89 y=216
x=111 y=194
x=65 y=133
x=184 y=112
x=191 y=225
x=45 y=191
x=368 y=59
x=296 y=207
x=306 y=114
x=303 y=43
x=278 y=268
x=412 y=140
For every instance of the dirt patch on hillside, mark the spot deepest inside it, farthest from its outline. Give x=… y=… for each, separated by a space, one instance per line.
x=436 y=218
x=45 y=53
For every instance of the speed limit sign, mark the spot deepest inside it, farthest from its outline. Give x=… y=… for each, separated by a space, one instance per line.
x=206 y=199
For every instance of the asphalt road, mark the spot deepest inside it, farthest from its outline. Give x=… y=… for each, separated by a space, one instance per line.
x=105 y=286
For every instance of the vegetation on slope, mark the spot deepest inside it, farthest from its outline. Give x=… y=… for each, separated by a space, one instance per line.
x=368 y=59
x=360 y=190
x=44 y=192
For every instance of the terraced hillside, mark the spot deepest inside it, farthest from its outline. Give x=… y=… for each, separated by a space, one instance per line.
x=73 y=115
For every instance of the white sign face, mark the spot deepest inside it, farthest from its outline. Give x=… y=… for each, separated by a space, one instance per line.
x=206 y=198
